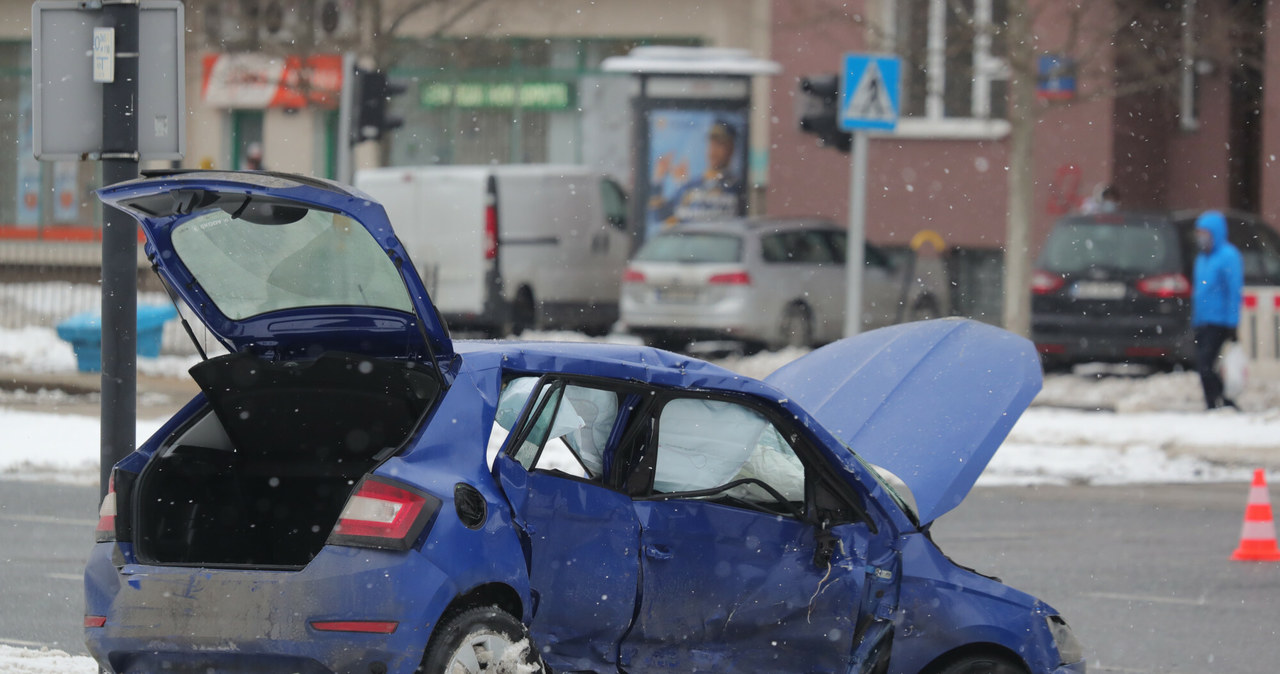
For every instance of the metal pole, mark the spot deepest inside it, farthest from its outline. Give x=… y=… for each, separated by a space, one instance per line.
x=346 y=116
x=119 y=245
x=855 y=255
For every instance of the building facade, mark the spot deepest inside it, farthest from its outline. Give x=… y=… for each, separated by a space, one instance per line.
x=511 y=81
x=1191 y=124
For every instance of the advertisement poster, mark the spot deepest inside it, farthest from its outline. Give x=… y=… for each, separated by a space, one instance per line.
x=697 y=167
x=28 y=168
x=66 y=184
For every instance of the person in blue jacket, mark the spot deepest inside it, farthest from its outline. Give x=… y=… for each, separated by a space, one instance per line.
x=1215 y=301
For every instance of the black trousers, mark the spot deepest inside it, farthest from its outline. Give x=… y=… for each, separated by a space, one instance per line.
x=1209 y=340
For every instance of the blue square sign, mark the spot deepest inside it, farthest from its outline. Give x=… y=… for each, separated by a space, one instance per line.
x=870 y=92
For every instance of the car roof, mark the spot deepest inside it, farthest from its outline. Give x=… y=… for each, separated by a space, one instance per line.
x=758 y=225
x=1116 y=217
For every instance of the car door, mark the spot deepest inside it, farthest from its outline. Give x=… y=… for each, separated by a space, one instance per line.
x=732 y=574
x=881 y=285
x=582 y=536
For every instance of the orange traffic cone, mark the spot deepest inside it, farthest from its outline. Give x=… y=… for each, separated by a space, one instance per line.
x=1258 y=537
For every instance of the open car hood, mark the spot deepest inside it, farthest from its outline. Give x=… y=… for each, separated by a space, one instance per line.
x=928 y=401
x=284 y=266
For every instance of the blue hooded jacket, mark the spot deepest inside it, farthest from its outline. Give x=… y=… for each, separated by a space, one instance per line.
x=1218 y=278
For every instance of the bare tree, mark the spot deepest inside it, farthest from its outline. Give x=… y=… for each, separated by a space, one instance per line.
x=1117 y=48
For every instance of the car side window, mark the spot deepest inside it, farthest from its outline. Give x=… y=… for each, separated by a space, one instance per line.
x=568 y=433
x=802 y=247
x=704 y=445
x=1258 y=250
x=615 y=203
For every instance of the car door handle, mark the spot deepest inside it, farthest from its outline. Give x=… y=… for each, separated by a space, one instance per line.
x=658 y=552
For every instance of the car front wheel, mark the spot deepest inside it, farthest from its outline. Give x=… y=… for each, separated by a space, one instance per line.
x=483 y=639
x=984 y=664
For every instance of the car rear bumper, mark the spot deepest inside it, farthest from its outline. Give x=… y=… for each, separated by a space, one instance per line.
x=735 y=316
x=183 y=619
x=1112 y=339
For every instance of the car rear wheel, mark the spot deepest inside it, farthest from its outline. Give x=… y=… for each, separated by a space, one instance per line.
x=984 y=664
x=483 y=639
x=797 y=327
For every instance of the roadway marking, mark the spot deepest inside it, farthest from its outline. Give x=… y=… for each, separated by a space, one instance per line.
x=65 y=576
x=48 y=519
x=1147 y=598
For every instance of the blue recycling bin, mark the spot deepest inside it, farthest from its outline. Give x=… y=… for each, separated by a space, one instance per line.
x=84 y=332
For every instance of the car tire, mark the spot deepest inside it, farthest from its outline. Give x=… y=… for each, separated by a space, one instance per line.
x=523 y=312
x=482 y=639
x=797 y=327
x=984 y=664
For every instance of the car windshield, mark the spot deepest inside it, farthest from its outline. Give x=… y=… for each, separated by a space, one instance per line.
x=320 y=259
x=1140 y=247
x=692 y=248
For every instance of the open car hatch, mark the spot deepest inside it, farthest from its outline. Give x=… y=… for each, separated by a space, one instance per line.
x=930 y=401
x=284 y=266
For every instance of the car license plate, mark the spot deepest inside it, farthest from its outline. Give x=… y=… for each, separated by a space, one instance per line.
x=1099 y=290
x=678 y=294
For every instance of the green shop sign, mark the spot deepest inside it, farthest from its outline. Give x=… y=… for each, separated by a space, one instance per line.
x=527 y=95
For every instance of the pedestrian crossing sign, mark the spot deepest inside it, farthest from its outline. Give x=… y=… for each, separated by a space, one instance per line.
x=870 y=92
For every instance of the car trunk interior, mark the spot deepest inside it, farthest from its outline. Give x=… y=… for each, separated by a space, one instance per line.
x=259 y=477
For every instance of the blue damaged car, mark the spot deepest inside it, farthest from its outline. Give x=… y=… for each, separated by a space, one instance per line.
x=353 y=491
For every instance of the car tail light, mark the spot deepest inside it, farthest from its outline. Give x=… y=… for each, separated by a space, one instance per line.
x=1050 y=348
x=95 y=620
x=733 y=278
x=382 y=514
x=632 y=275
x=363 y=626
x=106 y=529
x=1043 y=282
x=1165 y=285
x=491 y=232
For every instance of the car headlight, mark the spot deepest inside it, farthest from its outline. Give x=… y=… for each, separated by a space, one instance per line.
x=1069 y=648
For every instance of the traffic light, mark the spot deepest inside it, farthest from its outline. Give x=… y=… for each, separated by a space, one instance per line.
x=373 y=93
x=819 y=109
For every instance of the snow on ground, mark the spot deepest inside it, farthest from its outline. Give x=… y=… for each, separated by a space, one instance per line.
x=1154 y=429
x=14 y=660
x=1104 y=428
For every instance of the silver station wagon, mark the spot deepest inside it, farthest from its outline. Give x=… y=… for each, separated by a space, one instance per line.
x=763 y=282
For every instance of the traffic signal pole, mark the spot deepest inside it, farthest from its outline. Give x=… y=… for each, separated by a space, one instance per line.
x=119 y=245
x=346 y=103
x=855 y=250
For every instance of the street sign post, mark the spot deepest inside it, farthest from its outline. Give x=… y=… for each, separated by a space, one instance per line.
x=99 y=93
x=74 y=56
x=870 y=98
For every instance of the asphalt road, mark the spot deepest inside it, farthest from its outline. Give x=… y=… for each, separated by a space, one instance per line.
x=1141 y=573
x=46 y=532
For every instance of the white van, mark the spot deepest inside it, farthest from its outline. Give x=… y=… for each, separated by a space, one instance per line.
x=508 y=247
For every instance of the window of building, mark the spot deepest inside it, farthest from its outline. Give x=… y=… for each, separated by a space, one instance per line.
x=954 y=74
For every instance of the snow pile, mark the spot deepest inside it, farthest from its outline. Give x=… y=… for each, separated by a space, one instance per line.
x=35 y=349
x=43 y=661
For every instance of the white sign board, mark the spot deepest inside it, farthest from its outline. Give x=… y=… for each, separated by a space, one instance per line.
x=104 y=55
x=68 y=58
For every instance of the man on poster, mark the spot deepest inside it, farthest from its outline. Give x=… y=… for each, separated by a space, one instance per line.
x=716 y=193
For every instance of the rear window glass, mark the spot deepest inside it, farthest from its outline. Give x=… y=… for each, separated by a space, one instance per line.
x=692 y=248
x=321 y=259
x=1137 y=247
